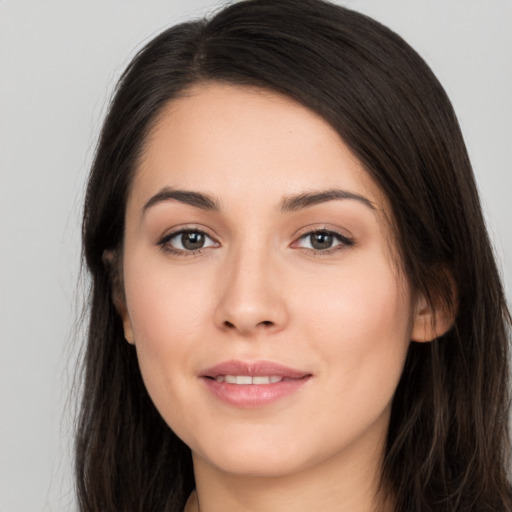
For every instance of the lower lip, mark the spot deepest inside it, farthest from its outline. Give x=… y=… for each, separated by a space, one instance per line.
x=254 y=395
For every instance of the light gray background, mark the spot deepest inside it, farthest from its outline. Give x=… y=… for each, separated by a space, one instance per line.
x=58 y=62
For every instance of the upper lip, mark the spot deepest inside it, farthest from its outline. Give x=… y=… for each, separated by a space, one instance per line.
x=253 y=369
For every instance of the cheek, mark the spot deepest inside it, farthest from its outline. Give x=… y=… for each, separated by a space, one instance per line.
x=359 y=300
x=167 y=313
x=166 y=309
x=361 y=319
x=360 y=322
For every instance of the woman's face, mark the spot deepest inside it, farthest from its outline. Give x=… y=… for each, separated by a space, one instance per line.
x=263 y=294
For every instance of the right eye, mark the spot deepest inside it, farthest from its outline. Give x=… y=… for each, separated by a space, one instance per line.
x=189 y=240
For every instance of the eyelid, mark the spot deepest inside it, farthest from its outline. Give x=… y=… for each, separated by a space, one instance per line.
x=164 y=245
x=344 y=234
x=344 y=239
x=178 y=228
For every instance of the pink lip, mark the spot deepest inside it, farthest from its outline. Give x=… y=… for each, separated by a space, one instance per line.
x=253 y=395
x=254 y=369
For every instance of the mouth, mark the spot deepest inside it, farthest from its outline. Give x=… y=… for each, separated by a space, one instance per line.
x=253 y=384
x=245 y=380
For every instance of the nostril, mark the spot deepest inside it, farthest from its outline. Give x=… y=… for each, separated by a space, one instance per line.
x=265 y=323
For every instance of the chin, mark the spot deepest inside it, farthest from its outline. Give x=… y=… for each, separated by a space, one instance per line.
x=258 y=465
x=271 y=458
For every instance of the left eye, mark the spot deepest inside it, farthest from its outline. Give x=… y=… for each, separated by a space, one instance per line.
x=188 y=241
x=322 y=240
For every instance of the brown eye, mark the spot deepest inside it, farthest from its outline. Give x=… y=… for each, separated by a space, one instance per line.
x=192 y=240
x=323 y=240
x=187 y=241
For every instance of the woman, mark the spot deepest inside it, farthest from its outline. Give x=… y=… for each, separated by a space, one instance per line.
x=294 y=301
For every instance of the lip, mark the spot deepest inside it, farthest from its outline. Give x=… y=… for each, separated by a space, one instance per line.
x=253 y=395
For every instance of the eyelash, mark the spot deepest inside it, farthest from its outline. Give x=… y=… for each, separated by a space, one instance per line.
x=344 y=242
x=165 y=245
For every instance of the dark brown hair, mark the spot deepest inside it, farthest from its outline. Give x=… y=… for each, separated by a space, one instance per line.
x=447 y=446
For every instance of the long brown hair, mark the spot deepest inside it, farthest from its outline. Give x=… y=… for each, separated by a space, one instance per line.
x=448 y=445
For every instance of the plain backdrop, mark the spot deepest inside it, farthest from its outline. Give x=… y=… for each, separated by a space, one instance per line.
x=59 y=60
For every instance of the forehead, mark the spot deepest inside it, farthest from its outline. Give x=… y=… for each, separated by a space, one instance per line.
x=231 y=141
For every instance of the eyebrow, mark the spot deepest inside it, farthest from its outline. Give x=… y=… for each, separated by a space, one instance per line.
x=289 y=203
x=196 y=199
x=300 y=201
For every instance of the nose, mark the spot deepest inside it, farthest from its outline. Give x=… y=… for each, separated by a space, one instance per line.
x=251 y=299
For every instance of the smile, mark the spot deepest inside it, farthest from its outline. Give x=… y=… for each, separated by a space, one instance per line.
x=253 y=384
x=247 y=379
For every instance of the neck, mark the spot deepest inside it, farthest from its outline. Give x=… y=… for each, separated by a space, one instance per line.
x=348 y=482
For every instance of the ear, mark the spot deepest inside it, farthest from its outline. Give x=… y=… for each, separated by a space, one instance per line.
x=114 y=268
x=128 y=329
x=433 y=320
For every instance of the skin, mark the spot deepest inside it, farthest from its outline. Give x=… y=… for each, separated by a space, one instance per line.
x=259 y=290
